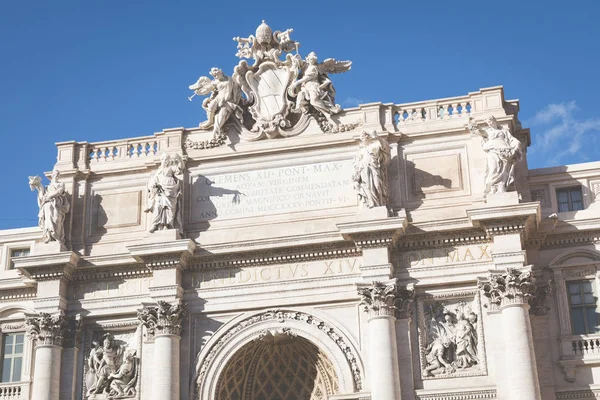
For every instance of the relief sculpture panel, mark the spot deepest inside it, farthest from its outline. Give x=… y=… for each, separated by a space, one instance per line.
x=451 y=336
x=112 y=363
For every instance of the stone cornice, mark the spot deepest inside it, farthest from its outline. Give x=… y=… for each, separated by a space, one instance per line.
x=48 y=266
x=508 y=219
x=374 y=233
x=119 y=271
x=274 y=257
x=164 y=255
x=18 y=294
x=442 y=239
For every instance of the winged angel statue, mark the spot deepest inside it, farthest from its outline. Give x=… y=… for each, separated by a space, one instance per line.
x=273 y=96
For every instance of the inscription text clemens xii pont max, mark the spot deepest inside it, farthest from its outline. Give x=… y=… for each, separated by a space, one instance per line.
x=272 y=191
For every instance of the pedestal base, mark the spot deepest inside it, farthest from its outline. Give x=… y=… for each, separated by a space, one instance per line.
x=368 y=214
x=163 y=235
x=41 y=248
x=502 y=199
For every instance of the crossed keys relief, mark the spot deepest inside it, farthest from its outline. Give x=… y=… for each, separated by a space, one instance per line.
x=272 y=97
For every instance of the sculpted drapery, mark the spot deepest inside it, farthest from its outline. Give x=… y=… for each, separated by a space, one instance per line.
x=502 y=150
x=370 y=170
x=164 y=195
x=53 y=204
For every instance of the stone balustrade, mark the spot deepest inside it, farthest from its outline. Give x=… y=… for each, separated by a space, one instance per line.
x=13 y=391
x=412 y=113
x=586 y=346
x=449 y=114
x=123 y=149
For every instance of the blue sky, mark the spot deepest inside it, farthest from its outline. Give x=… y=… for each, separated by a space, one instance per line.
x=92 y=70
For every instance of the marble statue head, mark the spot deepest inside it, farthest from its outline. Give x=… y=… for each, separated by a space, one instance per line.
x=216 y=72
x=491 y=121
x=311 y=58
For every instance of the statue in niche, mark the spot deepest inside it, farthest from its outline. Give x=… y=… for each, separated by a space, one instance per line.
x=54 y=205
x=502 y=150
x=370 y=170
x=316 y=89
x=164 y=194
x=452 y=339
x=223 y=102
x=112 y=369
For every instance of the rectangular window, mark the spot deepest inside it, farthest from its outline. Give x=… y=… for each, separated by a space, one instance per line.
x=18 y=253
x=569 y=199
x=12 y=357
x=583 y=300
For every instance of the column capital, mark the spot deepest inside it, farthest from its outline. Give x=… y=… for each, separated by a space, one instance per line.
x=513 y=287
x=47 y=329
x=163 y=319
x=386 y=299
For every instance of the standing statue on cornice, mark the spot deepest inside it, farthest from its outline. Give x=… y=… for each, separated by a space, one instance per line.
x=316 y=89
x=502 y=150
x=164 y=194
x=54 y=204
x=223 y=102
x=370 y=170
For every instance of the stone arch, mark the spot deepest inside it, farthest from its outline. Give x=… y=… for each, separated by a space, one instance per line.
x=576 y=257
x=308 y=325
x=12 y=310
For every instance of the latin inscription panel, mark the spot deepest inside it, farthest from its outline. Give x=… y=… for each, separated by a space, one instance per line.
x=272 y=191
x=215 y=278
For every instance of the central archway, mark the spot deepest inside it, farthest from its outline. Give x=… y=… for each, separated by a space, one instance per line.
x=246 y=342
x=275 y=366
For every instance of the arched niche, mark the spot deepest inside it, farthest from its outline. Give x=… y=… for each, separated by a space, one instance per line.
x=332 y=342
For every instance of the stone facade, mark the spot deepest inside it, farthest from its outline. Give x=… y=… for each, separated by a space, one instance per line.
x=384 y=252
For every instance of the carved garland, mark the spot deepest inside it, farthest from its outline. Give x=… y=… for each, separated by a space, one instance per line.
x=281 y=316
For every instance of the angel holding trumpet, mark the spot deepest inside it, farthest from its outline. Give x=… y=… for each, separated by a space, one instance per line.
x=223 y=102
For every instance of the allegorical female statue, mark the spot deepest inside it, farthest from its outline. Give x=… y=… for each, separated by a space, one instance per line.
x=502 y=150
x=164 y=194
x=54 y=204
x=370 y=170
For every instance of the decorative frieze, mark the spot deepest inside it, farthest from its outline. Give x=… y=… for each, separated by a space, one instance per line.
x=47 y=329
x=386 y=299
x=163 y=319
x=513 y=287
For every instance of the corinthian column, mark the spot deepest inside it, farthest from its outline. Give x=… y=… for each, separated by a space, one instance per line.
x=48 y=333
x=510 y=293
x=379 y=301
x=164 y=322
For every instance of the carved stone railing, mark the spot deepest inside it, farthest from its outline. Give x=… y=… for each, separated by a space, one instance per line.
x=14 y=391
x=123 y=149
x=452 y=108
x=586 y=346
x=437 y=115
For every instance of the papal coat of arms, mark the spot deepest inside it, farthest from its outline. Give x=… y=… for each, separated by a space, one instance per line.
x=277 y=95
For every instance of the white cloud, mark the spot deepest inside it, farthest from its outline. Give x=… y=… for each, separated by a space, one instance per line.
x=558 y=133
